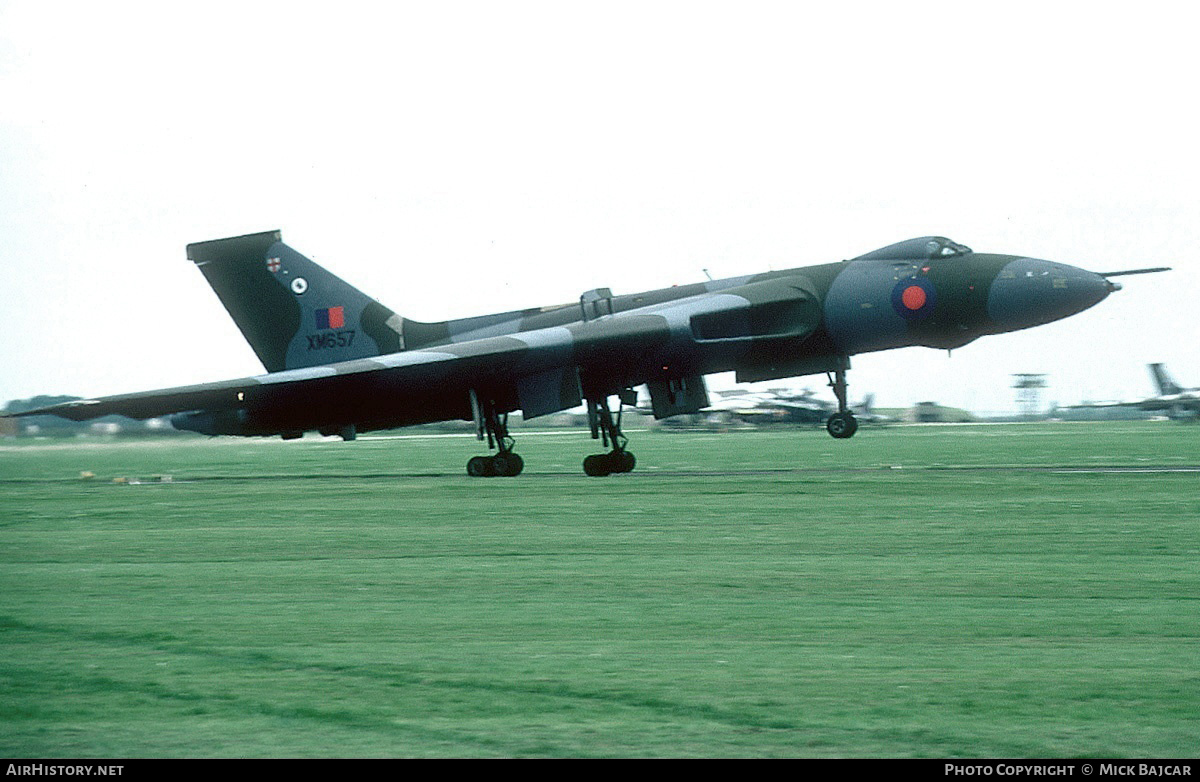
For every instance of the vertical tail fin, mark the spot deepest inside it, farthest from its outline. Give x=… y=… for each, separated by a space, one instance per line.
x=294 y=313
x=1166 y=384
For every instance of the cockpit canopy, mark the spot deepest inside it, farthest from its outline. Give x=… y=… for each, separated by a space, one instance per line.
x=926 y=248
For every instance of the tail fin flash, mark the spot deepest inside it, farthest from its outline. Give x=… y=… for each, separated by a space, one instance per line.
x=294 y=313
x=1166 y=384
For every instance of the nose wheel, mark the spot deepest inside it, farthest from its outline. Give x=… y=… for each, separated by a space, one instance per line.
x=841 y=424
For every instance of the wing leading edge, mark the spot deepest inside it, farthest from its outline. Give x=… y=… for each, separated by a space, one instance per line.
x=538 y=371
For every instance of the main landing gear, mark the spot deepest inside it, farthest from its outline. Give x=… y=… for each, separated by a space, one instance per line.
x=606 y=427
x=841 y=424
x=506 y=462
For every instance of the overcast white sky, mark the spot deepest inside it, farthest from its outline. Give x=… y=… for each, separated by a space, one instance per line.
x=456 y=158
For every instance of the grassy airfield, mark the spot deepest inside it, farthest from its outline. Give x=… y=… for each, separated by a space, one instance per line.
x=916 y=591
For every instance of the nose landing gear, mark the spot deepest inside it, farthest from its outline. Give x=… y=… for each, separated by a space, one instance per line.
x=841 y=424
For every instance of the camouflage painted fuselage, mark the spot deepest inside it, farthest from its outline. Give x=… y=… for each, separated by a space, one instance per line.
x=337 y=358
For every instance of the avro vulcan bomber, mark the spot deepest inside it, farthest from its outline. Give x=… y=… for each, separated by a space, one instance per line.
x=339 y=362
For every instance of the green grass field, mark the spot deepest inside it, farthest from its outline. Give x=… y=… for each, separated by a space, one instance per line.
x=913 y=592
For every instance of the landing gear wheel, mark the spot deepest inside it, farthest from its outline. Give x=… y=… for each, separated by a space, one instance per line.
x=601 y=464
x=842 y=425
x=607 y=428
x=480 y=467
x=508 y=464
x=597 y=465
x=490 y=421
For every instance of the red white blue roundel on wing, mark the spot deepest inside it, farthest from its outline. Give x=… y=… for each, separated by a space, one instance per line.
x=914 y=298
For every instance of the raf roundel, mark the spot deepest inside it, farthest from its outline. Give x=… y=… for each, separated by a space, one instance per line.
x=299 y=285
x=914 y=298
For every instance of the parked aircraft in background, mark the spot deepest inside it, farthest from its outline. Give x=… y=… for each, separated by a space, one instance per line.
x=339 y=362
x=1173 y=401
x=785 y=406
x=773 y=406
x=864 y=411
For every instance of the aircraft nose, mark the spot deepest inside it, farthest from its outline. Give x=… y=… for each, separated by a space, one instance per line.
x=1029 y=292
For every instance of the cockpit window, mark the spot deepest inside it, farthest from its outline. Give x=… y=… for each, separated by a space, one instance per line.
x=953 y=248
x=926 y=248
